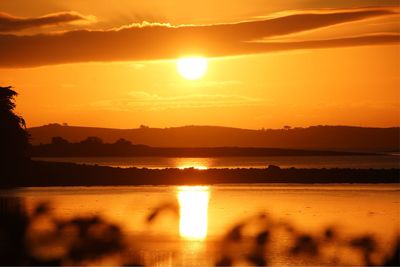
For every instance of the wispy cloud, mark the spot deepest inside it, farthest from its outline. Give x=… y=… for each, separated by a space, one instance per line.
x=139 y=100
x=206 y=84
x=155 y=41
x=9 y=23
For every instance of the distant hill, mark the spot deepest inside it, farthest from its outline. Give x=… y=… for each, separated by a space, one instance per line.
x=334 y=138
x=123 y=148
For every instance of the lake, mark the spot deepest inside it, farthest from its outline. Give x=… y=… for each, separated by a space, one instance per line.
x=362 y=162
x=192 y=221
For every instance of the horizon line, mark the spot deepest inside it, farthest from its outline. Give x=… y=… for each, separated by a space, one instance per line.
x=142 y=126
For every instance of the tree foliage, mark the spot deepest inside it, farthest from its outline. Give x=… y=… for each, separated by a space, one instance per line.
x=13 y=134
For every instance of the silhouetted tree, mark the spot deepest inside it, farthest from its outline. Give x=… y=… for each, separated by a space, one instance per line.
x=287 y=127
x=13 y=134
x=92 y=140
x=123 y=143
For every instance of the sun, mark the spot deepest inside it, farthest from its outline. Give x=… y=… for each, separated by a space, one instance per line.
x=192 y=68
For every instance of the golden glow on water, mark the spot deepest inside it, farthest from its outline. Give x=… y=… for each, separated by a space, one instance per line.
x=195 y=163
x=193 y=207
x=197 y=167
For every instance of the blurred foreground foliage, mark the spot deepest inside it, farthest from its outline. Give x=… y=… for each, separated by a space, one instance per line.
x=254 y=239
x=93 y=240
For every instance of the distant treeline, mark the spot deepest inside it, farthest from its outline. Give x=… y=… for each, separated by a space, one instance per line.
x=39 y=173
x=95 y=147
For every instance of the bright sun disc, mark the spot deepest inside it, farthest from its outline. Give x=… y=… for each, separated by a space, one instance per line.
x=192 y=68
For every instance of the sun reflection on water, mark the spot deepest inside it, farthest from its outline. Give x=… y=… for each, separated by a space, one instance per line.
x=195 y=163
x=193 y=205
x=197 y=167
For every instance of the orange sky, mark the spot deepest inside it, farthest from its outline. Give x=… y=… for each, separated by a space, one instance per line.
x=296 y=63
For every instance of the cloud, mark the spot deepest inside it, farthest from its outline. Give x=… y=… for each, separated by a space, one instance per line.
x=9 y=23
x=139 y=100
x=375 y=39
x=149 y=41
x=204 y=84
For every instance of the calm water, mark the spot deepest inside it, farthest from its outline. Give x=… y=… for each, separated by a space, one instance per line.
x=364 y=162
x=192 y=235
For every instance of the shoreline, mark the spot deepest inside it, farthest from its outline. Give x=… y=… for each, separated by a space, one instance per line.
x=238 y=185
x=129 y=150
x=46 y=174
